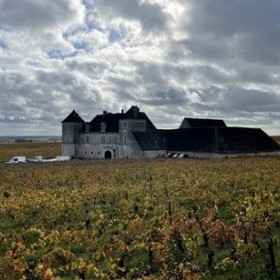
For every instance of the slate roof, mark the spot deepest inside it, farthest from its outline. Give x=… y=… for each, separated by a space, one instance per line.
x=73 y=117
x=223 y=140
x=189 y=139
x=139 y=115
x=193 y=122
x=149 y=140
x=112 y=120
x=245 y=140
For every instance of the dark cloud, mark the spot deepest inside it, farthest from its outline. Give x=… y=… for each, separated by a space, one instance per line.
x=226 y=19
x=151 y=73
x=36 y=15
x=210 y=58
x=239 y=99
x=246 y=30
x=171 y=97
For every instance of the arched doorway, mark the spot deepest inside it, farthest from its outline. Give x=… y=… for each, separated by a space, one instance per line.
x=108 y=154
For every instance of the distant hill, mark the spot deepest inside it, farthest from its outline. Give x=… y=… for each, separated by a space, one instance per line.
x=25 y=139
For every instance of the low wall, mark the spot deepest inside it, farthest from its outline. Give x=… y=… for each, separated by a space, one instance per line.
x=154 y=154
x=214 y=155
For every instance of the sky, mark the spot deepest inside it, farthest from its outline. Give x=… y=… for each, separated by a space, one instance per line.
x=172 y=59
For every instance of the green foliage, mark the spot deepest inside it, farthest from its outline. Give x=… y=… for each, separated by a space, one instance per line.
x=146 y=219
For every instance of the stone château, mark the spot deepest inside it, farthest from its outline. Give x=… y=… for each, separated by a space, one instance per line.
x=131 y=134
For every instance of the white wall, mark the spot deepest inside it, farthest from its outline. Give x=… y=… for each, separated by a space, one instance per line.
x=68 y=150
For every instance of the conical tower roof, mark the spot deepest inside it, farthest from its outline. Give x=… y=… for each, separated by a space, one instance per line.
x=73 y=117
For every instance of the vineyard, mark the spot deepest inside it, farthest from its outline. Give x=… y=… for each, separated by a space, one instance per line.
x=141 y=219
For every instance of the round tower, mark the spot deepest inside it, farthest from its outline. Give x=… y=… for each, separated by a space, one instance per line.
x=71 y=127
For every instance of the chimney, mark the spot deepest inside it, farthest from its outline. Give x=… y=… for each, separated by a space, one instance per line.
x=104 y=112
x=122 y=111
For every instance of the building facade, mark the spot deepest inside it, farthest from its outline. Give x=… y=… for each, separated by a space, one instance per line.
x=108 y=135
x=131 y=134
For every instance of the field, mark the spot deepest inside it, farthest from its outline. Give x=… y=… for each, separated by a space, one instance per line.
x=29 y=149
x=141 y=219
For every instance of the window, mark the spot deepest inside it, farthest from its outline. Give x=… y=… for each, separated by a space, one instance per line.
x=87 y=139
x=138 y=126
x=108 y=140
x=103 y=127
x=102 y=139
x=87 y=127
x=124 y=140
x=67 y=139
x=125 y=125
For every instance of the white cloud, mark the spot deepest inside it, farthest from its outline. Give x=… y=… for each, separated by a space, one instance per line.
x=171 y=58
x=39 y=16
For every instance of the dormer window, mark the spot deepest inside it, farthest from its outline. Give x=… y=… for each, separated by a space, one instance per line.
x=103 y=127
x=135 y=111
x=87 y=128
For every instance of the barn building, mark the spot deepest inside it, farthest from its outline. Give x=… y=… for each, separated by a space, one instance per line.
x=131 y=134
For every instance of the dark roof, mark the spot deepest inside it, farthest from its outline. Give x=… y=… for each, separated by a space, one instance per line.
x=73 y=117
x=189 y=139
x=225 y=140
x=112 y=120
x=192 y=122
x=134 y=113
x=149 y=140
x=245 y=140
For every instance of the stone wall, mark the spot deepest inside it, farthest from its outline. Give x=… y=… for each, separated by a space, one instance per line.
x=68 y=150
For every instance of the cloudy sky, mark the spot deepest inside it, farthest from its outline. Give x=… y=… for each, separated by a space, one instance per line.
x=207 y=58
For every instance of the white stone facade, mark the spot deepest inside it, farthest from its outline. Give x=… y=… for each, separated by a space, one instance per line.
x=78 y=141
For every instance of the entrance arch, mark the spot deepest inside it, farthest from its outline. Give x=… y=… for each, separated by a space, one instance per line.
x=108 y=154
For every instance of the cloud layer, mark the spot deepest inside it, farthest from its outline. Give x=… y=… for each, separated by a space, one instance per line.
x=215 y=59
